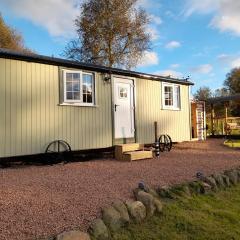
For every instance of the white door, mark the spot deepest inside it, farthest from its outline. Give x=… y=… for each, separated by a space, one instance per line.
x=123 y=108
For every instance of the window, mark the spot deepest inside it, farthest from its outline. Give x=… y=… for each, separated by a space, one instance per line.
x=78 y=87
x=122 y=92
x=171 y=96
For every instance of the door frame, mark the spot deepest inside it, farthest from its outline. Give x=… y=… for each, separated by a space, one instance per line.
x=113 y=76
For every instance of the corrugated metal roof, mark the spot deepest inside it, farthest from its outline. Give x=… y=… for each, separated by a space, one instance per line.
x=6 y=53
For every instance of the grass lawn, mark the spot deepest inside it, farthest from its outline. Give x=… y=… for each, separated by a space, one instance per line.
x=232 y=143
x=203 y=217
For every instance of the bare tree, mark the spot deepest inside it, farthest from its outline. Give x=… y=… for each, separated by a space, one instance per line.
x=111 y=33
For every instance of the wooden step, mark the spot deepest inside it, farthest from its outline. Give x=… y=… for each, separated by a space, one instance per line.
x=137 y=155
x=130 y=147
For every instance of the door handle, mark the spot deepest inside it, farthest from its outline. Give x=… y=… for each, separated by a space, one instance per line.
x=115 y=107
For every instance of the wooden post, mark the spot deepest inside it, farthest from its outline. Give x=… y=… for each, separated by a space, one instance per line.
x=212 y=119
x=156 y=131
x=226 y=112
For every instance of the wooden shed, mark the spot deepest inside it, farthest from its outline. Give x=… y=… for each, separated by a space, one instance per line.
x=91 y=107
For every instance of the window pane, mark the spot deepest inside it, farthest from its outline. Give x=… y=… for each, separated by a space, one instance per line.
x=69 y=86
x=76 y=95
x=69 y=96
x=76 y=86
x=73 y=86
x=177 y=97
x=89 y=98
x=87 y=88
x=76 y=76
x=69 y=77
x=168 y=95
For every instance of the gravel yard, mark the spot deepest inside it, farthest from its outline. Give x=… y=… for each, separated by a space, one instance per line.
x=40 y=201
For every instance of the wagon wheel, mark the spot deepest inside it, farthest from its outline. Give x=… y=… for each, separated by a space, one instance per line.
x=165 y=143
x=162 y=143
x=58 y=151
x=168 y=145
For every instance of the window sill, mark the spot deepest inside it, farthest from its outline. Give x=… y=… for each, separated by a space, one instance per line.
x=171 y=109
x=77 y=105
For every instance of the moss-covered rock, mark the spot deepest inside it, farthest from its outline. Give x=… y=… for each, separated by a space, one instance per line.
x=122 y=209
x=226 y=180
x=98 y=230
x=233 y=176
x=136 y=210
x=212 y=182
x=219 y=180
x=148 y=201
x=112 y=218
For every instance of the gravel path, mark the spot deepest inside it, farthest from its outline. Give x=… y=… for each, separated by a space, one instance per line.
x=40 y=201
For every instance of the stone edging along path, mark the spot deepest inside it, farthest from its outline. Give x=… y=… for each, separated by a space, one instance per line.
x=148 y=202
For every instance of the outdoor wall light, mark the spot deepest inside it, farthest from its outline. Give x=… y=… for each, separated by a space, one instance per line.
x=107 y=78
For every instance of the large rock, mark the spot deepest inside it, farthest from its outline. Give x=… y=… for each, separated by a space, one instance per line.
x=73 y=235
x=226 y=180
x=148 y=201
x=212 y=182
x=136 y=210
x=112 y=218
x=219 y=180
x=233 y=176
x=122 y=209
x=98 y=230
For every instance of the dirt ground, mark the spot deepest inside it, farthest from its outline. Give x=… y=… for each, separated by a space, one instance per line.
x=40 y=201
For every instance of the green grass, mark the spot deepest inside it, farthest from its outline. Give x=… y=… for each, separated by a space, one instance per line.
x=232 y=143
x=202 y=217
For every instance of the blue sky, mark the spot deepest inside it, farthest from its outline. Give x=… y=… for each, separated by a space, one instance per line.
x=192 y=38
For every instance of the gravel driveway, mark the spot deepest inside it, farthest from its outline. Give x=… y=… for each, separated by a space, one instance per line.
x=40 y=201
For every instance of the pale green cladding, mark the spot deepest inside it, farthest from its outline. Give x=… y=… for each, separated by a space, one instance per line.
x=149 y=109
x=31 y=116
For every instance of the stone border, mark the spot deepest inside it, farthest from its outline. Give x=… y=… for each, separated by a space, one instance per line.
x=148 y=202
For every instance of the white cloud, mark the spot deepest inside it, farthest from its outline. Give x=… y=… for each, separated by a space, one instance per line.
x=169 y=72
x=176 y=65
x=155 y=19
x=56 y=16
x=173 y=45
x=226 y=13
x=202 y=69
x=149 y=58
x=235 y=63
x=203 y=6
x=229 y=60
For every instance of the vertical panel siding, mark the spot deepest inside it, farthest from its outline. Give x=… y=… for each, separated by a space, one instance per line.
x=31 y=116
x=149 y=109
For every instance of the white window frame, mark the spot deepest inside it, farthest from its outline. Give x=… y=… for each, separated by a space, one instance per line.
x=173 y=86
x=80 y=101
